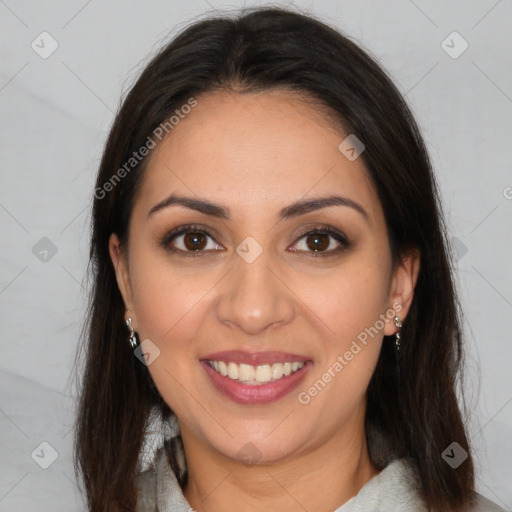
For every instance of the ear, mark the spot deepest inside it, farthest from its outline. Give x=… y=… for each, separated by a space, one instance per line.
x=402 y=288
x=120 y=261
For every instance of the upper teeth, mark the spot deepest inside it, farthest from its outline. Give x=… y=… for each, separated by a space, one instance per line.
x=249 y=374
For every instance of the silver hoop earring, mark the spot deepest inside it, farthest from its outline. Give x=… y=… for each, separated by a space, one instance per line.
x=398 y=323
x=133 y=336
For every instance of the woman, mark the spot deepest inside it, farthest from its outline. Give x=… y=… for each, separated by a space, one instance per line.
x=271 y=282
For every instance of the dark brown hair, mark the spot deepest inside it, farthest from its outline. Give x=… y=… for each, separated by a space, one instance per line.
x=412 y=396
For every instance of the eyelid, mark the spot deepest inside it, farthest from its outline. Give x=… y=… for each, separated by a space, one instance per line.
x=322 y=228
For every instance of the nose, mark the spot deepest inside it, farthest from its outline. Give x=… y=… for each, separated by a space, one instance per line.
x=254 y=297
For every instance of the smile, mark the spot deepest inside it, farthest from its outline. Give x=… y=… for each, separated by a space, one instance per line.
x=255 y=378
x=256 y=375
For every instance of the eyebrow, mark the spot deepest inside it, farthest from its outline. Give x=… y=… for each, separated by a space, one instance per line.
x=293 y=210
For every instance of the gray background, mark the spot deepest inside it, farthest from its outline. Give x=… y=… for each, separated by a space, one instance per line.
x=55 y=114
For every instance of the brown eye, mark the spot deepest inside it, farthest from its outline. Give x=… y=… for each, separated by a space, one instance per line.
x=194 y=241
x=190 y=241
x=321 y=242
x=317 y=241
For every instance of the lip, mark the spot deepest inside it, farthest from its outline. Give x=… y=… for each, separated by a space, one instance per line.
x=254 y=358
x=255 y=394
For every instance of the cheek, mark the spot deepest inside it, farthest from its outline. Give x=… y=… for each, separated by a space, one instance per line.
x=166 y=297
x=349 y=351
x=348 y=301
x=171 y=304
x=350 y=304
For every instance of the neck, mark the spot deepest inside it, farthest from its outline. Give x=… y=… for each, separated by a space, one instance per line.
x=321 y=478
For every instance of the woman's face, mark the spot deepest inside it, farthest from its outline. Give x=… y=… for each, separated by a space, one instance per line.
x=253 y=293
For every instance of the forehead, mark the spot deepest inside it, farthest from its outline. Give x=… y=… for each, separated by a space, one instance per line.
x=255 y=151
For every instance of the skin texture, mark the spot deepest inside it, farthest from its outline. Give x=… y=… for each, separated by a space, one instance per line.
x=255 y=154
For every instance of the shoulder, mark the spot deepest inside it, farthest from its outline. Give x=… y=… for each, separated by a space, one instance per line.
x=401 y=477
x=158 y=489
x=396 y=489
x=392 y=489
x=145 y=485
x=405 y=472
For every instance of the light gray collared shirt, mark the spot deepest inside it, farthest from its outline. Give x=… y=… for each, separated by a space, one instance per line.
x=389 y=491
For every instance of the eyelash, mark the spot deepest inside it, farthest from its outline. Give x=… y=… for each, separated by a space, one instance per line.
x=192 y=228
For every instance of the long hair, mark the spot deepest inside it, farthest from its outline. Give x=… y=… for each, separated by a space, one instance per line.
x=416 y=408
